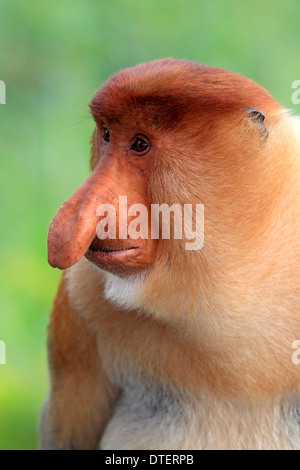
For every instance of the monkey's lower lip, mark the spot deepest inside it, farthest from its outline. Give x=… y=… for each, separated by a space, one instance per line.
x=108 y=255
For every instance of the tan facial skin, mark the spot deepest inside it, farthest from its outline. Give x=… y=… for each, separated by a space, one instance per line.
x=120 y=170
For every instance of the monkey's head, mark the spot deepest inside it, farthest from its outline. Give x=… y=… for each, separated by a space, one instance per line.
x=174 y=132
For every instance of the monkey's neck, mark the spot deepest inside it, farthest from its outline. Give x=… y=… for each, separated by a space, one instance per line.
x=229 y=352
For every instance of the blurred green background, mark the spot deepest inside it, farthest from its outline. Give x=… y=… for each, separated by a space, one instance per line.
x=53 y=57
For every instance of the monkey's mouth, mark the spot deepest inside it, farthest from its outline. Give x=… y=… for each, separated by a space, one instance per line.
x=121 y=257
x=98 y=249
x=102 y=249
x=110 y=257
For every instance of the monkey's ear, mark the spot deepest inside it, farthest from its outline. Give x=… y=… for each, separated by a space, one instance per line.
x=258 y=119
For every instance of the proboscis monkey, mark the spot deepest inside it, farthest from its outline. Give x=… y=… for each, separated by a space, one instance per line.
x=152 y=345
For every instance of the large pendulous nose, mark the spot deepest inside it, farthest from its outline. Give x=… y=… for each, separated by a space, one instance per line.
x=74 y=225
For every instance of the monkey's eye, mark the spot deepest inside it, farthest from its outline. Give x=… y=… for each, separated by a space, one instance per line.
x=140 y=145
x=105 y=134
